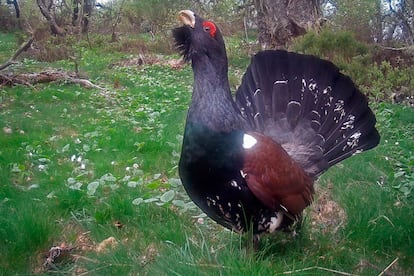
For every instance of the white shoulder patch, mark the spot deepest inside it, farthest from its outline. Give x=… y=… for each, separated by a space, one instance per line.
x=248 y=141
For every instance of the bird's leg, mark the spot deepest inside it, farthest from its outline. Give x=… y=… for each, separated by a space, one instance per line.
x=297 y=226
x=252 y=243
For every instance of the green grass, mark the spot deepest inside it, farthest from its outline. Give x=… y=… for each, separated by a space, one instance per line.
x=76 y=162
x=8 y=43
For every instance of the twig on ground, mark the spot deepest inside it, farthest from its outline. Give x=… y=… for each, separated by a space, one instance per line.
x=206 y=265
x=385 y=272
x=388 y=267
x=77 y=257
x=318 y=268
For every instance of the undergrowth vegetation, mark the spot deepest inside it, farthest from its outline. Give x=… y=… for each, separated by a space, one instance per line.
x=94 y=173
x=380 y=73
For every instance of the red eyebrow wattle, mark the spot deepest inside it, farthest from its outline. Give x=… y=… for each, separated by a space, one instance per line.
x=212 y=27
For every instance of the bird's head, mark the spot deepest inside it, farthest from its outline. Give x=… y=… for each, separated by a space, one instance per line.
x=198 y=38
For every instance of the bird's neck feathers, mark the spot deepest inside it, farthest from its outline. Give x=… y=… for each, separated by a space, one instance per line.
x=212 y=103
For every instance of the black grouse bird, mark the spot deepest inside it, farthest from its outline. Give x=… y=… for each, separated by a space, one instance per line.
x=252 y=161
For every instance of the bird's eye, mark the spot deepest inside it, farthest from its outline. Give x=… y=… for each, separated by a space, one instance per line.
x=210 y=28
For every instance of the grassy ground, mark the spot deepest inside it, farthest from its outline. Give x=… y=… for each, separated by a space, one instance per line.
x=95 y=173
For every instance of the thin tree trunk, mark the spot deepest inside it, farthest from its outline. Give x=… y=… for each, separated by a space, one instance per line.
x=88 y=6
x=16 y=7
x=75 y=13
x=116 y=22
x=45 y=10
x=281 y=20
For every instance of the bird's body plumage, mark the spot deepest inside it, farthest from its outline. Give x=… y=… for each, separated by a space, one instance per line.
x=251 y=161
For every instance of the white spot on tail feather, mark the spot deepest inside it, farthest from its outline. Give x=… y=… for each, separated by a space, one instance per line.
x=352 y=141
x=294 y=103
x=358 y=152
x=327 y=90
x=248 y=103
x=316 y=113
x=248 y=141
x=312 y=85
x=303 y=86
x=233 y=183
x=349 y=124
x=281 y=82
x=243 y=113
x=339 y=108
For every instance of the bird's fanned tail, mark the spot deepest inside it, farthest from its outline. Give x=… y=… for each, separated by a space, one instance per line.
x=306 y=105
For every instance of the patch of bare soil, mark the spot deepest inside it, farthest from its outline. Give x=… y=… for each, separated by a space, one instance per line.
x=326 y=215
x=151 y=60
x=73 y=245
x=70 y=253
x=73 y=242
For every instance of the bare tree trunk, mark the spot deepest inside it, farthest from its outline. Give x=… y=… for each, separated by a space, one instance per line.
x=281 y=20
x=82 y=12
x=116 y=22
x=378 y=23
x=75 y=14
x=16 y=7
x=87 y=13
x=45 y=10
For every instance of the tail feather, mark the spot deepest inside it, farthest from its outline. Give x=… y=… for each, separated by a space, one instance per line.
x=343 y=118
x=306 y=105
x=354 y=142
x=293 y=111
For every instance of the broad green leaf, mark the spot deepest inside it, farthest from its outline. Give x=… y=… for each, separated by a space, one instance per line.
x=174 y=182
x=152 y=199
x=138 y=201
x=44 y=160
x=168 y=196
x=92 y=187
x=75 y=186
x=86 y=148
x=66 y=148
x=178 y=203
x=399 y=174
x=132 y=184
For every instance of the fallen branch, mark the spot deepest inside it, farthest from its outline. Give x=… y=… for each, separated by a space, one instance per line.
x=84 y=83
x=407 y=48
x=22 y=49
x=30 y=79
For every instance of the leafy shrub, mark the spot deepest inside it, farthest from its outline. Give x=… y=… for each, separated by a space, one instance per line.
x=338 y=46
x=8 y=22
x=128 y=45
x=379 y=81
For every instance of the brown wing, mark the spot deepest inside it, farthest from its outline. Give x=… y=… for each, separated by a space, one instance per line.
x=274 y=177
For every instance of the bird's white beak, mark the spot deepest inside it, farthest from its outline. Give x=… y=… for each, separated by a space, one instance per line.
x=187 y=17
